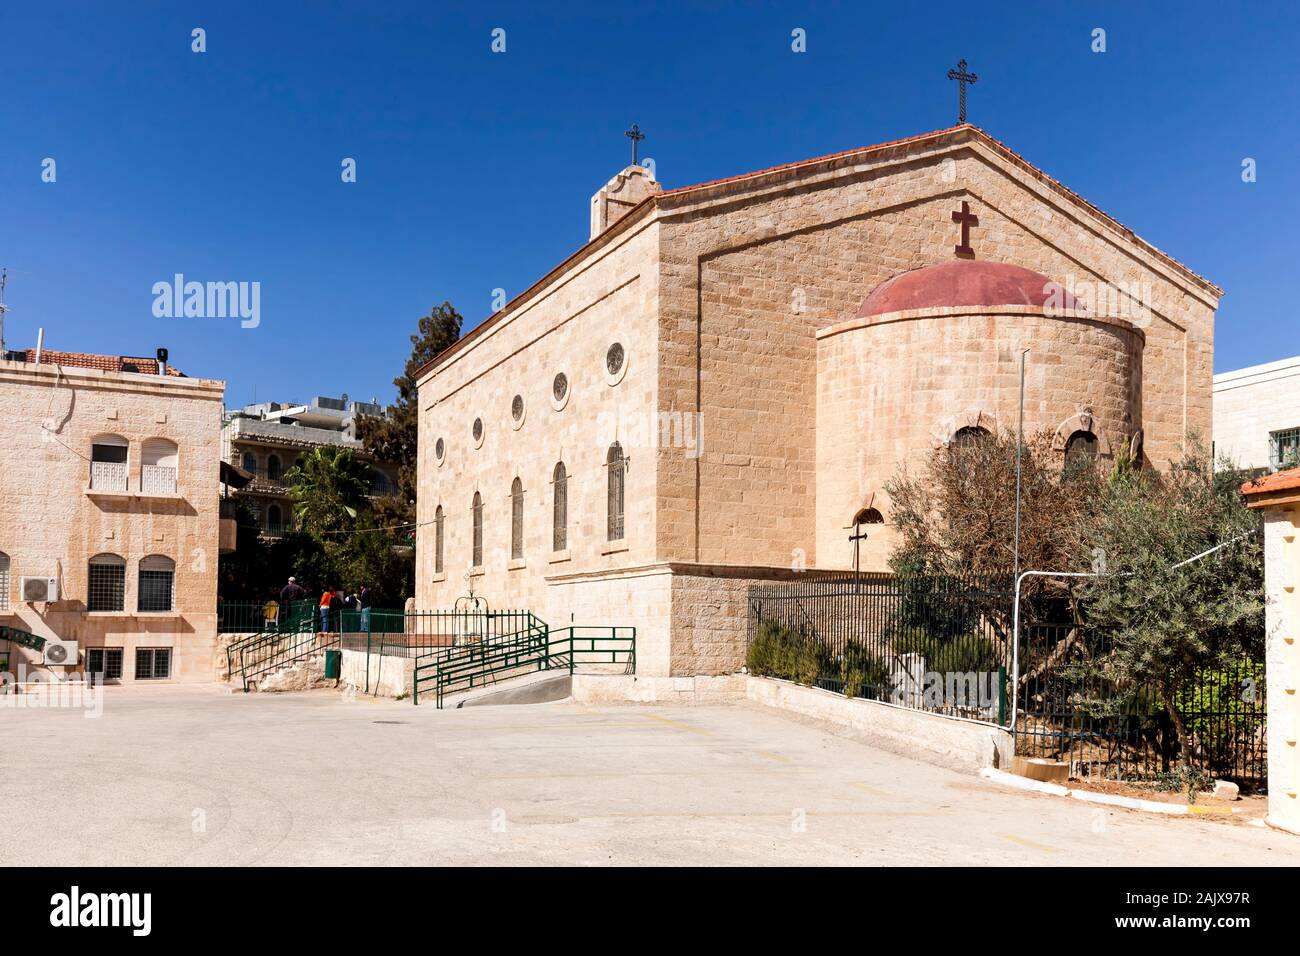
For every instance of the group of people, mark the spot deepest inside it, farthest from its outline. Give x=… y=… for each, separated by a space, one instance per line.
x=332 y=601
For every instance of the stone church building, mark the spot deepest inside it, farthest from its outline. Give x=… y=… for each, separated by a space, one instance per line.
x=715 y=389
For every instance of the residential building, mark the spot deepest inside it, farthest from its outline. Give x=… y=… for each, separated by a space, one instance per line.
x=1257 y=415
x=268 y=439
x=108 y=517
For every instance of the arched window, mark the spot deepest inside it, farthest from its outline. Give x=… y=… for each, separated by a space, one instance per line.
x=250 y=463
x=560 y=517
x=158 y=460
x=868 y=516
x=380 y=484
x=273 y=468
x=108 y=467
x=616 y=465
x=106 y=583
x=971 y=436
x=1081 y=449
x=157 y=583
x=4 y=581
x=274 y=519
x=437 y=541
x=477 y=509
x=968 y=443
x=516 y=519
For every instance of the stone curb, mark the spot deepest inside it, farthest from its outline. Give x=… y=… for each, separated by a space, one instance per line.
x=1015 y=782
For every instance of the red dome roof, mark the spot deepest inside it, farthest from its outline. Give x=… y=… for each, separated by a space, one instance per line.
x=965 y=282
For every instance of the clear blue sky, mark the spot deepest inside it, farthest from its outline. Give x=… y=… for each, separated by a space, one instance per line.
x=475 y=169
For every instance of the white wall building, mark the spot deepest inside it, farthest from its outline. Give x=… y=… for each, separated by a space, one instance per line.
x=1257 y=414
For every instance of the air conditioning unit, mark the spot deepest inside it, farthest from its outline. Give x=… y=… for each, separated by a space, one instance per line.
x=61 y=653
x=39 y=589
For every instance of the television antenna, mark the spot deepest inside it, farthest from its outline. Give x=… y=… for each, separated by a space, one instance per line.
x=4 y=278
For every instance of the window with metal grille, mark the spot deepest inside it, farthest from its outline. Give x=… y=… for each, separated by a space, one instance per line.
x=157 y=583
x=616 y=465
x=106 y=583
x=4 y=581
x=274 y=519
x=273 y=468
x=477 y=510
x=250 y=463
x=105 y=663
x=153 y=663
x=517 y=519
x=1284 y=448
x=560 y=488
x=437 y=541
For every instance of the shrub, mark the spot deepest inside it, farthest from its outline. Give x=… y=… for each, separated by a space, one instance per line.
x=950 y=655
x=861 y=669
x=778 y=651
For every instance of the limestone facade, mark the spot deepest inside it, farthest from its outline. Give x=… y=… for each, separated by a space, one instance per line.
x=154 y=512
x=757 y=412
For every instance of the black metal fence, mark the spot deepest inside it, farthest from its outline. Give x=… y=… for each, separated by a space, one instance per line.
x=1070 y=708
x=940 y=644
x=943 y=644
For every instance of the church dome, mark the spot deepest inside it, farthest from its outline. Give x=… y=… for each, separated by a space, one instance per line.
x=965 y=282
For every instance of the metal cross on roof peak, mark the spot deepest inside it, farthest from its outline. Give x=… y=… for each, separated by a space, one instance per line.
x=635 y=135
x=962 y=78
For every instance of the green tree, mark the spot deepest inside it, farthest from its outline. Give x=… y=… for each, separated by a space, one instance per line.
x=328 y=491
x=1173 y=621
x=394 y=438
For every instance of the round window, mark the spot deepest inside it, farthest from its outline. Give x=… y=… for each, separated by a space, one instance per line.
x=440 y=449
x=614 y=358
x=517 y=407
x=560 y=387
x=478 y=429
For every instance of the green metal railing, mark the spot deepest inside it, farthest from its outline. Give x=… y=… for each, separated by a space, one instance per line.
x=532 y=648
x=276 y=650
x=289 y=618
x=453 y=650
x=591 y=644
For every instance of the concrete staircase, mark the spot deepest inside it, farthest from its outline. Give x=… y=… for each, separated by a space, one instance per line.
x=302 y=674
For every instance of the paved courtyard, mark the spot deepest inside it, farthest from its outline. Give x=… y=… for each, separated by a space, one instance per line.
x=186 y=776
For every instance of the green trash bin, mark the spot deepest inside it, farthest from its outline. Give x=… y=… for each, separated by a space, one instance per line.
x=333 y=664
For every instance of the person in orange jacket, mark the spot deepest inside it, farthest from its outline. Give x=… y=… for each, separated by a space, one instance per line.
x=326 y=600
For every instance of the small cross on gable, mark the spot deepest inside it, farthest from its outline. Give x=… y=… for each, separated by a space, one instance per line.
x=967 y=219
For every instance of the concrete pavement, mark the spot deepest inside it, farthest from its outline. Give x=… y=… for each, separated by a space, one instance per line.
x=187 y=775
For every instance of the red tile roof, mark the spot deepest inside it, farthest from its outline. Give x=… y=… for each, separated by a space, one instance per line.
x=1268 y=484
x=964 y=282
x=105 y=363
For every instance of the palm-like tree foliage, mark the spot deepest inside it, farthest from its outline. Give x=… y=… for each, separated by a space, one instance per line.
x=328 y=490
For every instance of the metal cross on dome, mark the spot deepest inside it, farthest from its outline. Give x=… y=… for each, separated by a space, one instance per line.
x=962 y=78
